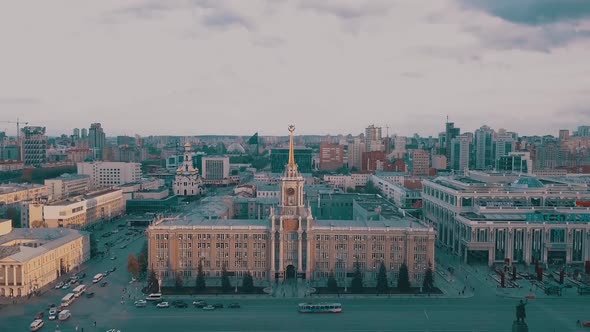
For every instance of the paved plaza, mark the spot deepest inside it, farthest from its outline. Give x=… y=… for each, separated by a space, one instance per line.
x=482 y=307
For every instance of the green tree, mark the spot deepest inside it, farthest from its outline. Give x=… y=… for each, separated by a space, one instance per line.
x=178 y=282
x=403 y=279
x=332 y=284
x=200 y=283
x=382 y=284
x=93 y=244
x=370 y=188
x=248 y=283
x=225 y=284
x=142 y=261
x=132 y=265
x=152 y=283
x=428 y=283
x=356 y=284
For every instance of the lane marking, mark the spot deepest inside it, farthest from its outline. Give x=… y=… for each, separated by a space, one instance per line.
x=425 y=314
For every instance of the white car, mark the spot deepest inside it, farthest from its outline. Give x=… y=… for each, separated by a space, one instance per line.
x=65 y=286
x=36 y=325
x=140 y=303
x=209 y=308
x=52 y=314
x=163 y=305
x=59 y=285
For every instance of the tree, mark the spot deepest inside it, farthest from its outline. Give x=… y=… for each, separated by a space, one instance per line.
x=200 y=283
x=382 y=284
x=356 y=284
x=152 y=284
x=178 y=282
x=332 y=284
x=248 y=283
x=142 y=261
x=428 y=283
x=403 y=279
x=225 y=284
x=132 y=265
x=93 y=244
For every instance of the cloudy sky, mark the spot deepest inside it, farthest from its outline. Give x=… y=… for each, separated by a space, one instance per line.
x=328 y=66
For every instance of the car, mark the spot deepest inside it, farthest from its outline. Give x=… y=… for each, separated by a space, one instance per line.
x=208 y=308
x=113 y=269
x=52 y=314
x=140 y=303
x=59 y=285
x=114 y=231
x=123 y=246
x=81 y=275
x=234 y=306
x=113 y=330
x=218 y=306
x=199 y=303
x=179 y=304
x=163 y=305
x=40 y=315
x=107 y=272
x=36 y=325
x=50 y=306
x=103 y=284
x=89 y=295
x=113 y=258
x=65 y=286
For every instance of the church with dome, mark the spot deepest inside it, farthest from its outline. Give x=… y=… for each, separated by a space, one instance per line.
x=187 y=181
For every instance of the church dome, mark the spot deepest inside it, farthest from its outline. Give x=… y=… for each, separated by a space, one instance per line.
x=235 y=148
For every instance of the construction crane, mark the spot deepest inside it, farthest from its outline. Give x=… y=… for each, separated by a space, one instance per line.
x=18 y=123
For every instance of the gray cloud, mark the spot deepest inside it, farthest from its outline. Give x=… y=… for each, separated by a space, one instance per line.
x=532 y=12
x=356 y=10
x=19 y=101
x=223 y=18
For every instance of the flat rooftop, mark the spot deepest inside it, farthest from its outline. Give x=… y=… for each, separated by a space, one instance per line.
x=14 y=187
x=50 y=237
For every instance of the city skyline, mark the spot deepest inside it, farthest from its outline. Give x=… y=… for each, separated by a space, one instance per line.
x=204 y=67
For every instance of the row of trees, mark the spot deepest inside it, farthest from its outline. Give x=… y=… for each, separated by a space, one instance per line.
x=403 y=281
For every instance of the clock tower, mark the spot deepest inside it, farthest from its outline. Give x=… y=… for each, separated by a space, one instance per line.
x=289 y=229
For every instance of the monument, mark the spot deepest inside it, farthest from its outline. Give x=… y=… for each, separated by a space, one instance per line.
x=519 y=325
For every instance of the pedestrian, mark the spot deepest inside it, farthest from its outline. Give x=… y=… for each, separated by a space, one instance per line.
x=94 y=323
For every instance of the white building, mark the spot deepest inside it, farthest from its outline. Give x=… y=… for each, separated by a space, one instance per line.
x=215 y=168
x=108 y=174
x=67 y=185
x=187 y=182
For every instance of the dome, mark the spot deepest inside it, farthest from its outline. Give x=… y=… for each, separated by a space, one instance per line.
x=235 y=148
x=527 y=182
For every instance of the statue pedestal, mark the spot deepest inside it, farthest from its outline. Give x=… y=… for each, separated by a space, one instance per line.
x=519 y=327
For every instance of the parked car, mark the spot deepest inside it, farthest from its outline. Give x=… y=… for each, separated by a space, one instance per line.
x=103 y=284
x=59 y=285
x=234 y=306
x=89 y=295
x=113 y=269
x=113 y=258
x=199 y=303
x=36 y=325
x=52 y=314
x=140 y=303
x=179 y=304
x=218 y=306
x=163 y=305
x=208 y=308
x=40 y=315
x=65 y=286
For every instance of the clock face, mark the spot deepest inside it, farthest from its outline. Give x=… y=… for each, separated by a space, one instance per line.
x=290 y=191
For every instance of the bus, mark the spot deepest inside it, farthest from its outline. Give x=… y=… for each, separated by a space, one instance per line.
x=79 y=290
x=97 y=278
x=154 y=297
x=68 y=299
x=320 y=308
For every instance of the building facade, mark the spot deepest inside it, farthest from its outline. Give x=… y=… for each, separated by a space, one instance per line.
x=96 y=140
x=215 y=168
x=34 y=146
x=15 y=193
x=33 y=258
x=108 y=174
x=280 y=156
x=331 y=157
x=420 y=162
x=291 y=244
x=68 y=185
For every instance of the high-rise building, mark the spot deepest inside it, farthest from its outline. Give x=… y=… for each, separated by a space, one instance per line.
x=439 y=162
x=484 y=148
x=331 y=157
x=450 y=133
x=503 y=145
x=96 y=139
x=76 y=133
x=564 y=134
x=583 y=131
x=108 y=174
x=280 y=157
x=461 y=151
x=84 y=133
x=34 y=146
x=355 y=153
x=373 y=139
x=419 y=162
x=515 y=162
x=215 y=168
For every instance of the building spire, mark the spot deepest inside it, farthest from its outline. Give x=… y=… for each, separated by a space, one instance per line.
x=291 y=146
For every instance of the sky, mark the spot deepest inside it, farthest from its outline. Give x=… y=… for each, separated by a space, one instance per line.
x=197 y=67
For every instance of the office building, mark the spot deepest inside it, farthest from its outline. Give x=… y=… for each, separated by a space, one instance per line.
x=188 y=181
x=439 y=162
x=108 y=174
x=583 y=131
x=34 y=146
x=373 y=139
x=215 y=168
x=515 y=162
x=68 y=185
x=564 y=134
x=495 y=217
x=484 y=148
x=291 y=244
x=461 y=152
x=331 y=157
x=33 y=258
x=96 y=140
x=280 y=156
x=84 y=133
x=13 y=193
x=355 y=153
x=76 y=133
x=419 y=162
x=450 y=134
x=503 y=146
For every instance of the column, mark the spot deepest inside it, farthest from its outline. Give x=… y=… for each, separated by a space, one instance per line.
x=308 y=258
x=281 y=237
x=273 y=267
x=299 y=251
x=14 y=275
x=5 y=275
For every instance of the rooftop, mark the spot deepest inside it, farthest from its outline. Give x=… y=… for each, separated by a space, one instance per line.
x=50 y=237
x=14 y=187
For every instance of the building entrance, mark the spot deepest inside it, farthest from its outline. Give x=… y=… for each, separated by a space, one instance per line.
x=290 y=272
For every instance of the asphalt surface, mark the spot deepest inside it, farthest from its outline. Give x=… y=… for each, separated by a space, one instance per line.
x=485 y=311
